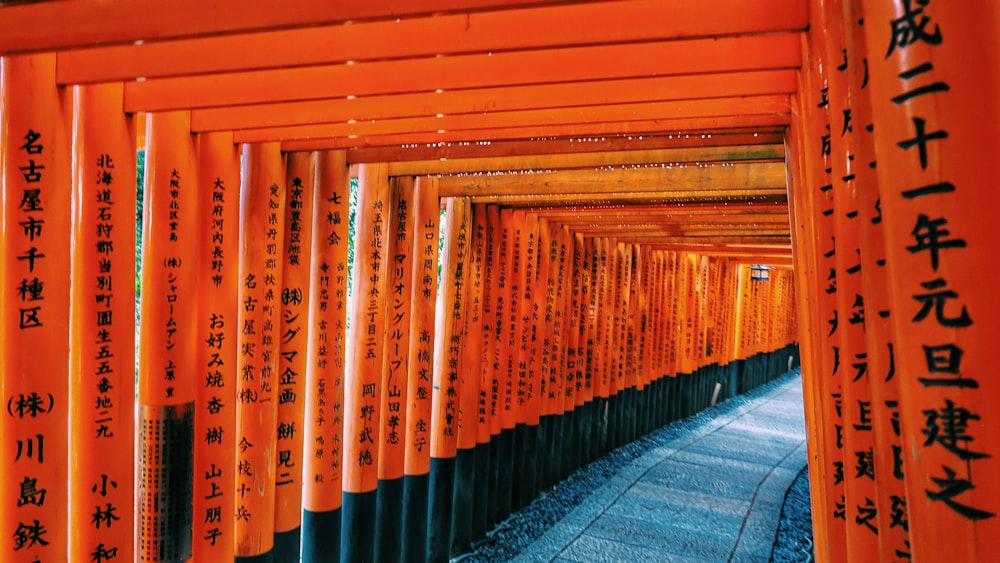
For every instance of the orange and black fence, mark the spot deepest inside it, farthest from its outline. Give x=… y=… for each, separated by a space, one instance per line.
x=276 y=417
x=892 y=222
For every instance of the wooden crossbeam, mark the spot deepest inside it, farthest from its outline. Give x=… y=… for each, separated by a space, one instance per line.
x=431 y=104
x=495 y=31
x=590 y=160
x=669 y=241
x=681 y=109
x=651 y=126
x=49 y=26
x=667 y=210
x=661 y=58
x=645 y=197
x=571 y=145
x=762 y=177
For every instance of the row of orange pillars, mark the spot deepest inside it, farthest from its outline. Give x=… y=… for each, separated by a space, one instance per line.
x=894 y=131
x=255 y=424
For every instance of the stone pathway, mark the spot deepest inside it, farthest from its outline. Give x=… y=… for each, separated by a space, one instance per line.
x=713 y=494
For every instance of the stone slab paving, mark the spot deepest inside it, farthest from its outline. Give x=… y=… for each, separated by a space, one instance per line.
x=714 y=494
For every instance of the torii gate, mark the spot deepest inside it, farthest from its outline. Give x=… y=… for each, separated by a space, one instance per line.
x=615 y=180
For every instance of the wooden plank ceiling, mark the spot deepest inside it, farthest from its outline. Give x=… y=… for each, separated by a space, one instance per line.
x=652 y=121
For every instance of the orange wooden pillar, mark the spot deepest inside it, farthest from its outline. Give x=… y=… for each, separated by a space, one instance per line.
x=528 y=366
x=167 y=340
x=468 y=482
x=292 y=341
x=395 y=376
x=326 y=352
x=507 y=313
x=102 y=321
x=826 y=372
x=603 y=304
x=848 y=320
x=214 y=489
x=594 y=345
x=625 y=349
x=563 y=430
x=544 y=312
x=261 y=224
x=447 y=390
x=494 y=285
x=484 y=501
x=800 y=146
x=573 y=421
x=365 y=362
x=883 y=410
x=935 y=119
x=589 y=399
x=417 y=456
x=35 y=167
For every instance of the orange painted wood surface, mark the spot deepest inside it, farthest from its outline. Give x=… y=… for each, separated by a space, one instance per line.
x=261 y=226
x=37 y=183
x=102 y=333
x=774 y=104
x=366 y=340
x=698 y=125
x=326 y=351
x=934 y=117
x=167 y=338
x=422 y=335
x=37 y=28
x=568 y=64
x=292 y=337
x=496 y=99
x=451 y=324
x=439 y=35
x=214 y=489
x=399 y=303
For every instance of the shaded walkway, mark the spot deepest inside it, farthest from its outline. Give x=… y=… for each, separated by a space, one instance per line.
x=712 y=493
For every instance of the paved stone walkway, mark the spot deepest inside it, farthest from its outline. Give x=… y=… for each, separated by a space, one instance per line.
x=714 y=494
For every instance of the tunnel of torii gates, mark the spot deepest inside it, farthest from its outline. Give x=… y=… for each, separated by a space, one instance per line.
x=648 y=206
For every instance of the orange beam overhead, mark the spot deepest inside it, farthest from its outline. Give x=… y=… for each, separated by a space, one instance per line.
x=692 y=210
x=737 y=197
x=633 y=60
x=550 y=146
x=674 y=240
x=43 y=26
x=590 y=160
x=656 y=126
x=750 y=177
x=510 y=30
x=636 y=90
x=717 y=107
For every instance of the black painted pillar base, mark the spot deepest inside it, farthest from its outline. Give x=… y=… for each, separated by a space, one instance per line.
x=262 y=558
x=286 y=545
x=553 y=430
x=439 y=508
x=389 y=519
x=413 y=541
x=568 y=443
x=529 y=465
x=461 y=510
x=321 y=536
x=585 y=427
x=480 y=495
x=505 y=474
x=517 y=468
x=357 y=542
x=492 y=476
x=600 y=426
x=545 y=447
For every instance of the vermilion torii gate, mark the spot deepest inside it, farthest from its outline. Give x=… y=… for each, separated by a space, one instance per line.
x=610 y=177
